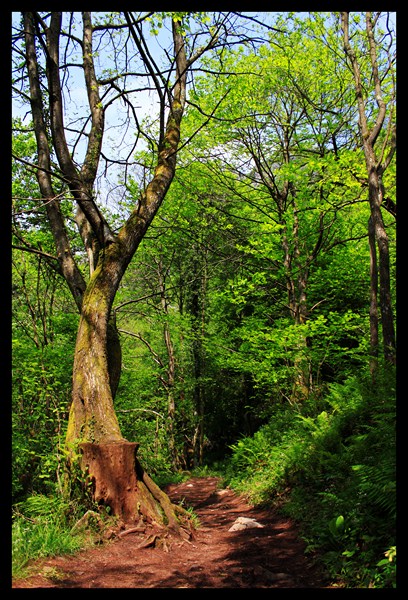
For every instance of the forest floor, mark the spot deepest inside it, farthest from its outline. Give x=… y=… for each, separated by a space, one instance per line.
x=271 y=556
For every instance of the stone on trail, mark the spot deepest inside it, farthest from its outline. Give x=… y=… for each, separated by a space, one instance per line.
x=244 y=523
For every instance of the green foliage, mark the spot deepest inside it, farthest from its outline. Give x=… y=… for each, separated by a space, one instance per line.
x=42 y=527
x=42 y=355
x=378 y=485
x=334 y=471
x=38 y=422
x=47 y=525
x=267 y=215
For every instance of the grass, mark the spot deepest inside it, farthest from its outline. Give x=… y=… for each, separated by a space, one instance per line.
x=42 y=527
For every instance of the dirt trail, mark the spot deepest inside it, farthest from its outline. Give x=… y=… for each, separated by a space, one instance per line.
x=271 y=556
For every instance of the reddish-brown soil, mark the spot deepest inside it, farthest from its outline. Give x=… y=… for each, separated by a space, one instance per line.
x=214 y=557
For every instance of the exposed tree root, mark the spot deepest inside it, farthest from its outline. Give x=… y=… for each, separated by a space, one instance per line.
x=120 y=482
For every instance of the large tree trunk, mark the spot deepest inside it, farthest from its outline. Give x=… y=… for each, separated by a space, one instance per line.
x=107 y=459
x=92 y=415
x=93 y=429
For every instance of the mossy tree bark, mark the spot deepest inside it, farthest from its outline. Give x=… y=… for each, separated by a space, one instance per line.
x=107 y=459
x=92 y=415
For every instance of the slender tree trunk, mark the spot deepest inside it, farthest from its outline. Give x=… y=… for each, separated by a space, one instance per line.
x=196 y=309
x=373 y=300
x=171 y=403
x=381 y=237
x=171 y=368
x=296 y=286
x=375 y=168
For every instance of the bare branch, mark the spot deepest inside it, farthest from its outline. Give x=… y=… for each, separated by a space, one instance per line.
x=156 y=357
x=35 y=251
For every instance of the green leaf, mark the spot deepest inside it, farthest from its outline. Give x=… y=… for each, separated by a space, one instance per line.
x=340 y=524
x=337 y=526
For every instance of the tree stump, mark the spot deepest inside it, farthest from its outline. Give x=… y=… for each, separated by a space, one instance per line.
x=119 y=481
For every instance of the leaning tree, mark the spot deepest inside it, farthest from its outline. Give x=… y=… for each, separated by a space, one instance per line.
x=118 y=59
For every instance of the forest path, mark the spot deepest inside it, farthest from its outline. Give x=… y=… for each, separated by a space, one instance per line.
x=271 y=556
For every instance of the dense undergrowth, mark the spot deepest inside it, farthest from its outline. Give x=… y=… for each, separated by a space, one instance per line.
x=330 y=464
x=51 y=525
x=333 y=471
x=42 y=527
